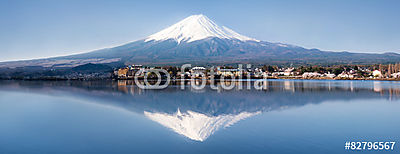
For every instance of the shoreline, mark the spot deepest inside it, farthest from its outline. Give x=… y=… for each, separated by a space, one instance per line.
x=189 y=79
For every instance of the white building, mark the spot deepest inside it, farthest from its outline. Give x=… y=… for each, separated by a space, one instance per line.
x=329 y=75
x=396 y=75
x=343 y=75
x=288 y=71
x=311 y=74
x=377 y=73
x=347 y=75
x=229 y=72
x=197 y=71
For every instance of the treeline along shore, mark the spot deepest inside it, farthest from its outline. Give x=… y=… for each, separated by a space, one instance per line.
x=242 y=71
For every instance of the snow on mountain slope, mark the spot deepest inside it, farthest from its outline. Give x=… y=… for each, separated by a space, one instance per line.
x=196 y=126
x=196 y=27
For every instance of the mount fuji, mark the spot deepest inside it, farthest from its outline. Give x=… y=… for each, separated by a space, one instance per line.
x=198 y=40
x=195 y=28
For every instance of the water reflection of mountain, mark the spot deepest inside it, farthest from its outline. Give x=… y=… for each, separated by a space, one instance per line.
x=197 y=114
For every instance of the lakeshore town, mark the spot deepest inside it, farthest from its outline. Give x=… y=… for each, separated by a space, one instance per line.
x=340 y=72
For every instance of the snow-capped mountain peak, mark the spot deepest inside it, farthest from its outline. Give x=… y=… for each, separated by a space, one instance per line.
x=197 y=126
x=196 y=27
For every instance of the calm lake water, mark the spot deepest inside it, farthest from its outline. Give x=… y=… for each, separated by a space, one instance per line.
x=286 y=116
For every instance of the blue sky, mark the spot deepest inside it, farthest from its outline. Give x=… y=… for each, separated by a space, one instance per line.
x=46 y=28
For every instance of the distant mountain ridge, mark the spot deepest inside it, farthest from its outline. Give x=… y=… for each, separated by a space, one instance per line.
x=198 y=40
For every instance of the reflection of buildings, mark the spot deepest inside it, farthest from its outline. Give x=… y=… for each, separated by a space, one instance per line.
x=393 y=93
x=127 y=86
x=194 y=125
x=384 y=88
x=288 y=85
x=377 y=86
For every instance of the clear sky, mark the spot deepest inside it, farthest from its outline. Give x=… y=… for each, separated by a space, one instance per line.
x=45 y=28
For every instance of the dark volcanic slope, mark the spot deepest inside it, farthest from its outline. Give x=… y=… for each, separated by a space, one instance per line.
x=215 y=50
